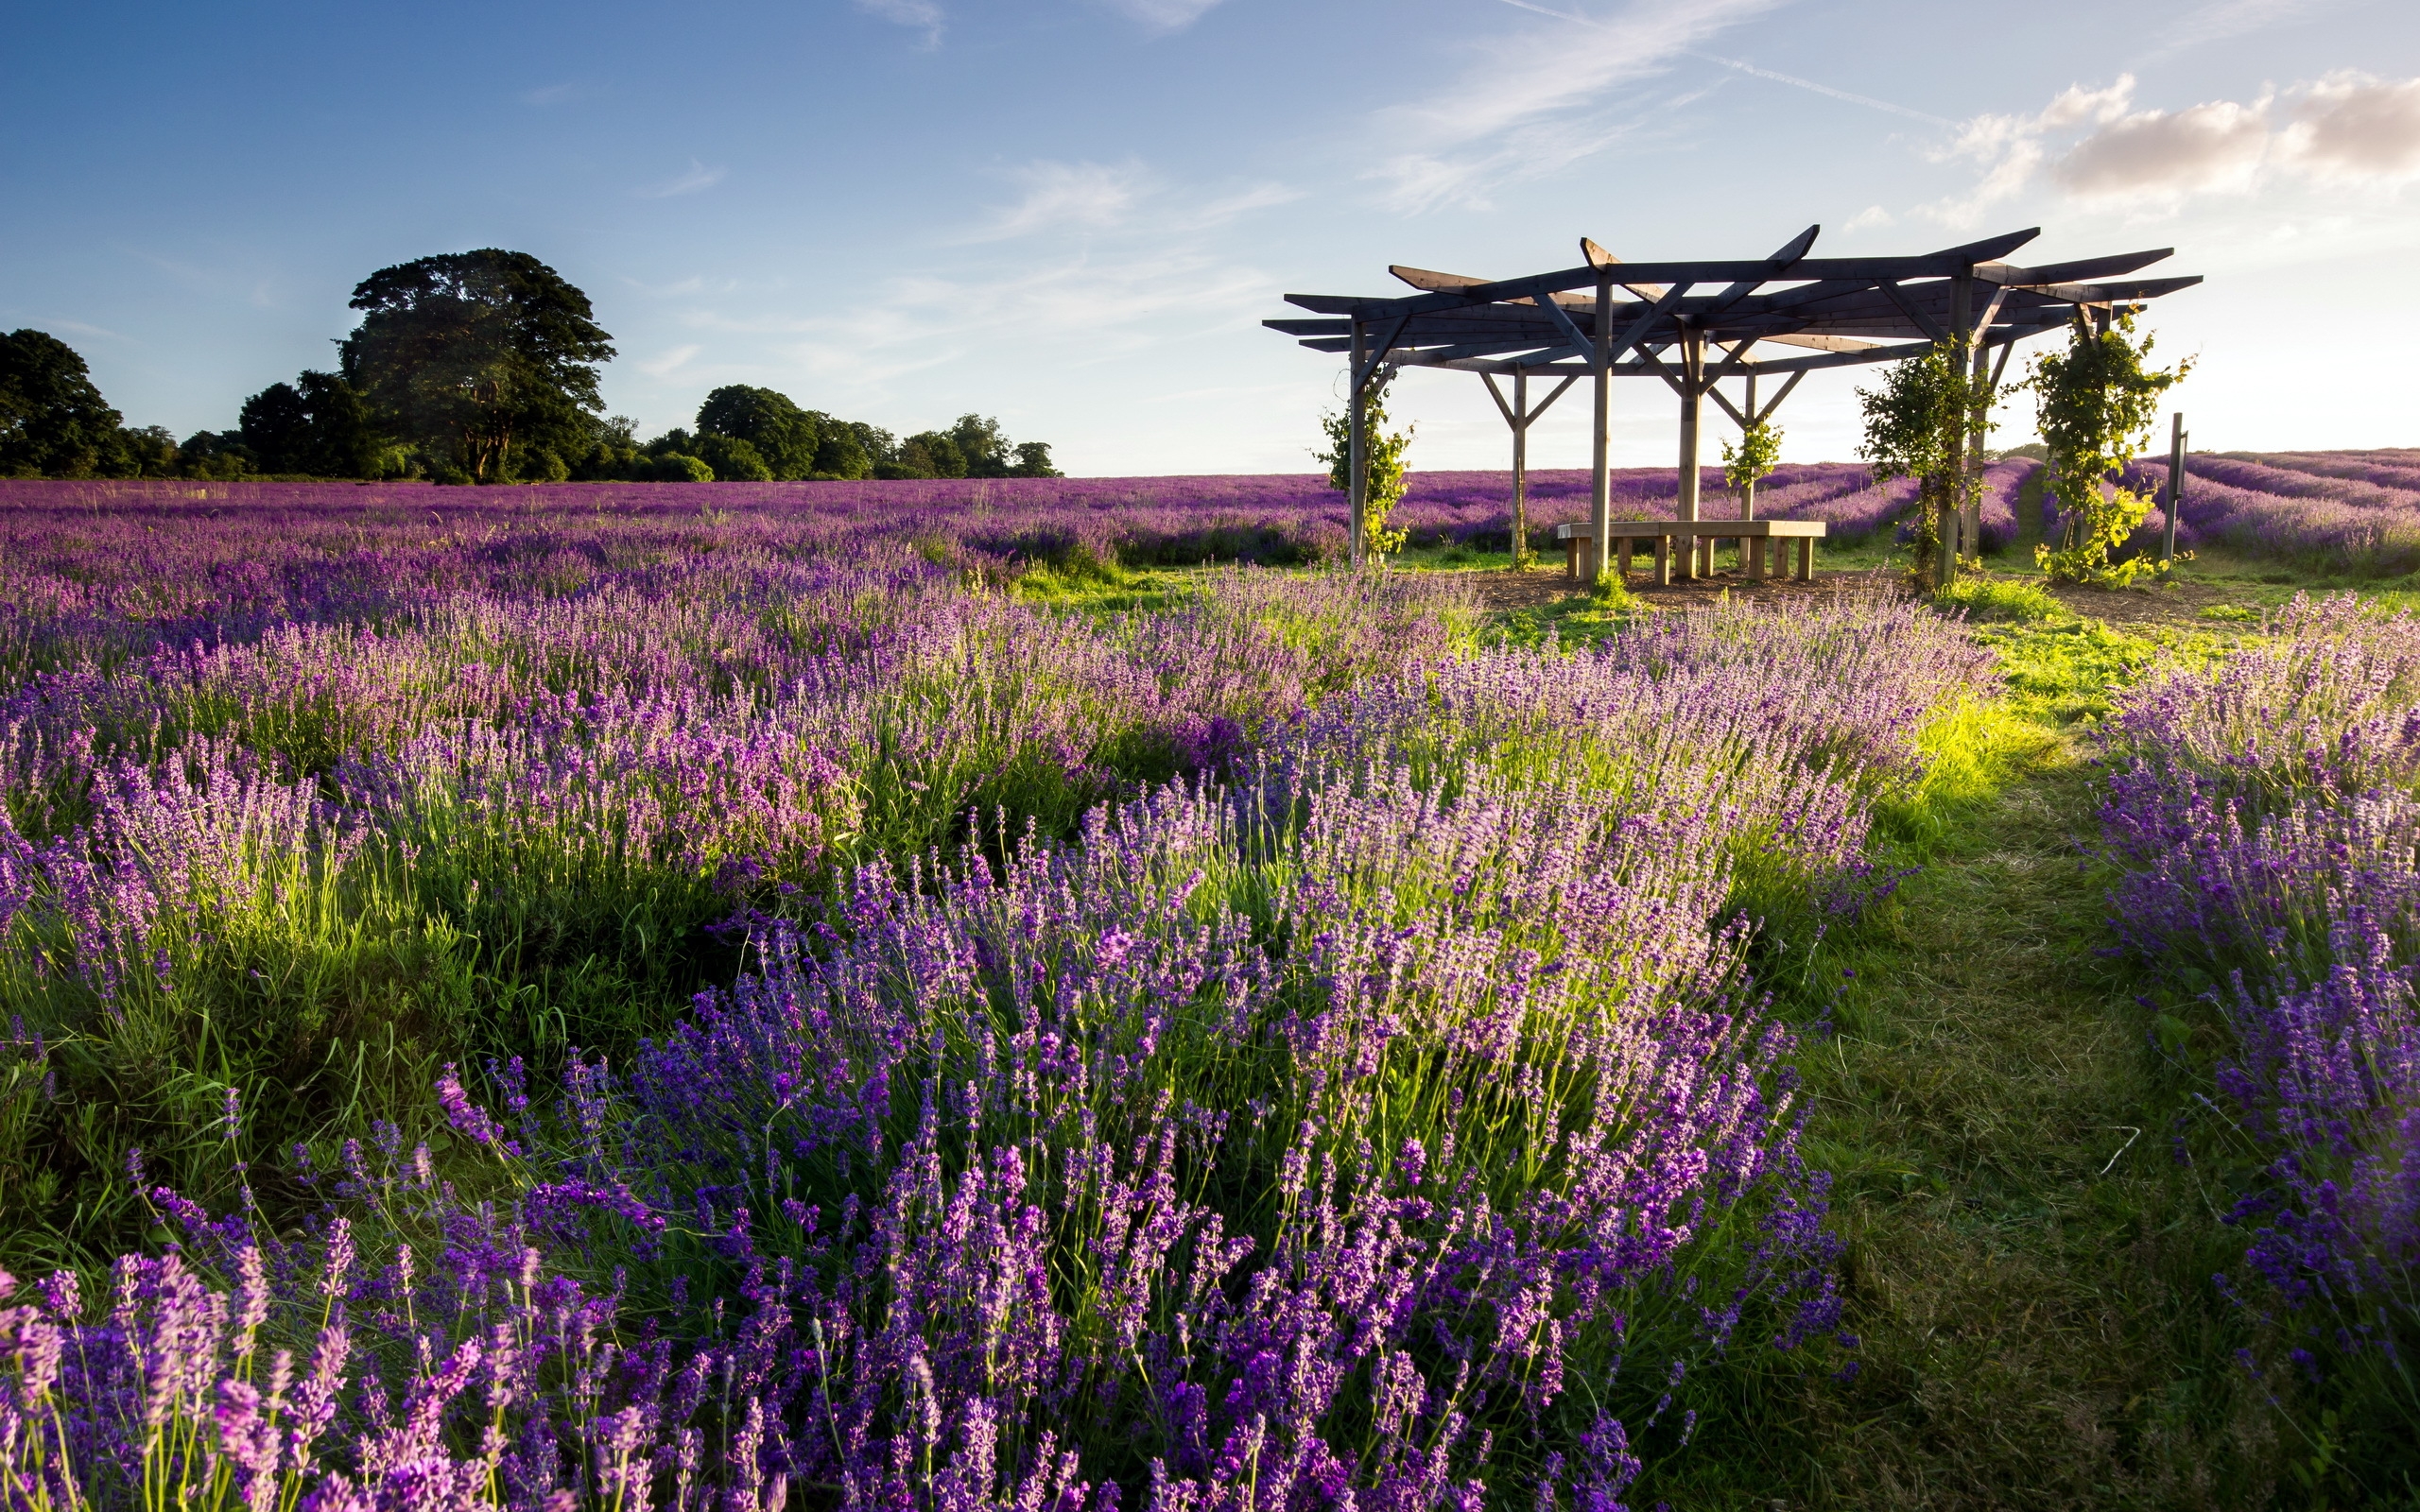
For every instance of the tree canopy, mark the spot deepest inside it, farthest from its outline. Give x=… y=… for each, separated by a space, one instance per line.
x=53 y=420
x=483 y=360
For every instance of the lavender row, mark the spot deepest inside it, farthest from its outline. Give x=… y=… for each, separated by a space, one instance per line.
x=1389 y=1120
x=2267 y=814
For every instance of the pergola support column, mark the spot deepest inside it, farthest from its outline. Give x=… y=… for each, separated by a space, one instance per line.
x=1357 y=460
x=1601 y=498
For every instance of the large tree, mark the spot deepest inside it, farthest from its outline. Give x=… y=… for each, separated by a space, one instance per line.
x=484 y=360
x=781 y=435
x=53 y=420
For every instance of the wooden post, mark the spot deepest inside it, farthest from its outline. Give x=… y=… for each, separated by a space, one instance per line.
x=1748 y=494
x=2176 y=486
x=1663 y=561
x=1601 y=498
x=1357 y=462
x=1623 y=564
x=1978 y=432
x=1520 y=465
x=1686 y=504
x=1755 y=545
x=1952 y=515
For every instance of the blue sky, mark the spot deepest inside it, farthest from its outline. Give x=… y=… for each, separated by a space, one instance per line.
x=1073 y=213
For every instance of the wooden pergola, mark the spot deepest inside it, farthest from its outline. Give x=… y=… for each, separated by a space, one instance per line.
x=1608 y=320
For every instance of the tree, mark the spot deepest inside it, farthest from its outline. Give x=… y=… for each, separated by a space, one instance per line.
x=784 y=437
x=845 y=450
x=319 y=426
x=1033 y=461
x=151 y=451
x=1915 y=427
x=1751 y=462
x=214 y=455
x=732 y=459
x=979 y=442
x=926 y=455
x=1382 y=463
x=2094 y=405
x=53 y=420
x=480 y=359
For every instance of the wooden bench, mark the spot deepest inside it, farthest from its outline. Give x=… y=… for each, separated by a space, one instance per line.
x=1756 y=539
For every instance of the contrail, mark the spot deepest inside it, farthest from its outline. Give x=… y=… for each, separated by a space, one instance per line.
x=1867 y=100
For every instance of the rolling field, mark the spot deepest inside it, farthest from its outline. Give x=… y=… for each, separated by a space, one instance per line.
x=939 y=995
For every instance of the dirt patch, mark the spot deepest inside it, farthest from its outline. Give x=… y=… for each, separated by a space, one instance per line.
x=2169 y=605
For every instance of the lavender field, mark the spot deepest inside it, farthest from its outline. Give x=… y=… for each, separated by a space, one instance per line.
x=2348 y=512
x=649 y=996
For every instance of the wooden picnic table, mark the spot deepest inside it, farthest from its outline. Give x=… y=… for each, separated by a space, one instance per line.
x=1755 y=536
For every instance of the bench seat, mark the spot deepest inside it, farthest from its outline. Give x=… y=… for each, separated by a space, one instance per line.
x=1579 y=541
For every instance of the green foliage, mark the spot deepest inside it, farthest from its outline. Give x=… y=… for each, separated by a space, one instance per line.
x=1916 y=423
x=847 y=451
x=677 y=466
x=53 y=420
x=1753 y=458
x=926 y=454
x=1383 y=470
x=317 y=426
x=477 y=358
x=732 y=460
x=783 y=435
x=2096 y=402
x=1033 y=461
x=2001 y=598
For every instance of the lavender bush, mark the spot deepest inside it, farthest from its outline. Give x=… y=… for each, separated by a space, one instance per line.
x=2267 y=816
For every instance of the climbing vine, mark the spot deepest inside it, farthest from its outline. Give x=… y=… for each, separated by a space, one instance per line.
x=2094 y=404
x=1382 y=456
x=1916 y=423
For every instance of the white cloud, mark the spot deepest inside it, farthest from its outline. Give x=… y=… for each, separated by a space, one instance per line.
x=919 y=15
x=2215 y=147
x=699 y=178
x=1164 y=16
x=1870 y=216
x=2351 y=125
x=2224 y=19
x=2347 y=128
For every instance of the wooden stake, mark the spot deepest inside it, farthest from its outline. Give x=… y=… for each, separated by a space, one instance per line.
x=1748 y=494
x=2176 y=486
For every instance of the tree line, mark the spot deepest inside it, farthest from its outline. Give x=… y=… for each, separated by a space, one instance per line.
x=469 y=368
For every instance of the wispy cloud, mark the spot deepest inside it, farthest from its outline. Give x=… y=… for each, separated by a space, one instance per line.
x=1107 y=196
x=917 y=15
x=1825 y=90
x=669 y=362
x=1094 y=194
x=1534 y=103
x=2224 y=19
x=549 y=94
x=699 y=178
x=1164 y=16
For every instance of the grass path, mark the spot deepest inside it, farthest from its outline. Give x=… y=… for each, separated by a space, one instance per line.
x=2028 y=1263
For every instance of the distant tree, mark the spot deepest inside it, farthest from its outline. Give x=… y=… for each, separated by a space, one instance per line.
x=675 y=440
x=847 y=449
x=1033 y=461
x=784 y=437
x=608 y=451
x=53 y=420
x=927 y=455
x=214 y=454
x=151 y=451
x=979 y=442
x=676 y=467
x=732 y=459
x=480 y=359
x=318 y=425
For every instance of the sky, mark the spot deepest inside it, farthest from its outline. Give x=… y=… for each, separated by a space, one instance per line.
x=1073 y=214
